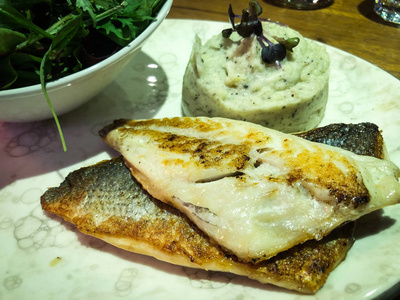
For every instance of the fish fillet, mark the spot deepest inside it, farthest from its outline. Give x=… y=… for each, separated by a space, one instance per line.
x=105 y=201
x=254 y=191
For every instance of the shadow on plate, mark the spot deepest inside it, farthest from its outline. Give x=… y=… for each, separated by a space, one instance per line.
x=372 y=224
x=34 y=148
x=392 y=293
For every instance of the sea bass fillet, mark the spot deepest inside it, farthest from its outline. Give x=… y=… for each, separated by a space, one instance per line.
x=253 y=190
x=105 y=201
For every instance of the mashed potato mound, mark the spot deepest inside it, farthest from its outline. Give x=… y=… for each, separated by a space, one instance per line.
x=226 y=77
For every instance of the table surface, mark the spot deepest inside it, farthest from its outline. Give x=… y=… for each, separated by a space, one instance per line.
x=350 y=25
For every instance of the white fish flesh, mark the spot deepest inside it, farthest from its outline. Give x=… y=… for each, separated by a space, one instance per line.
x=255 y=191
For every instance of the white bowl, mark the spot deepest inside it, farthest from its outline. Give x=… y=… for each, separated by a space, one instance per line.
x=29 y=104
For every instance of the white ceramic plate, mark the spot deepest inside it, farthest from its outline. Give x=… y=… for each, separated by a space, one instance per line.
x=42 y=257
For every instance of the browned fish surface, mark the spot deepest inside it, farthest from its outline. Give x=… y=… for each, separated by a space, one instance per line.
x=253 y=190
x=105 y=201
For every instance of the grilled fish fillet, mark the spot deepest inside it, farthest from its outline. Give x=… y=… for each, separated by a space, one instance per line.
x=105 y=201
x=253 y=190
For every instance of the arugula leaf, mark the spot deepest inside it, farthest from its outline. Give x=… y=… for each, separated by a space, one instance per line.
x=8 y=74
x=104 y=4
x=86 y=5
x=27 y=67
x=64 y=36
x=44 y=68
x=9 y=39
x=60 y=41
x=11 y=16
x=137 y=15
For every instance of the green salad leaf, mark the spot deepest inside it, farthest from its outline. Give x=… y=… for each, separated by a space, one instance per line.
x=44 y=40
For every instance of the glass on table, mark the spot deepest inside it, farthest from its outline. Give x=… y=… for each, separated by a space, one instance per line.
x=303 y=4
x=389 y=10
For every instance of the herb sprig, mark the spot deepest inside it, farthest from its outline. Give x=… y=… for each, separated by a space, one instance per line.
x=44 y=40
x=251 y=24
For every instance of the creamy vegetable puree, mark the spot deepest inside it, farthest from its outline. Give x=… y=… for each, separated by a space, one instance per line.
x=226 y=77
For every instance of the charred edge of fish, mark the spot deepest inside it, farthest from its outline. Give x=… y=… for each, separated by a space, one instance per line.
x=350 y=200
x=116 y=124
x=360 y=200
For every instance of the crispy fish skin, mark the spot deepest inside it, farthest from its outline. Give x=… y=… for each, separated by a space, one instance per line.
x=105 y=201
x=362 y=138
x=255 y=191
